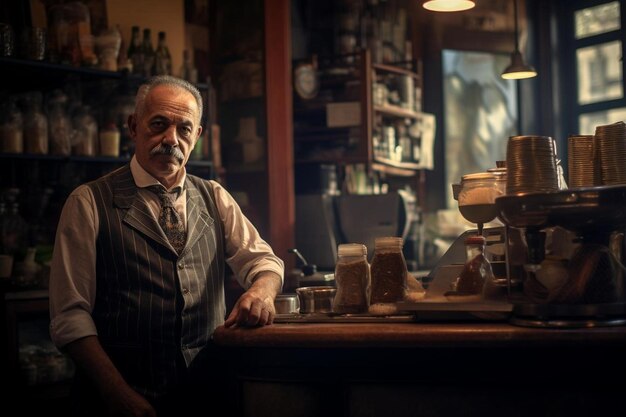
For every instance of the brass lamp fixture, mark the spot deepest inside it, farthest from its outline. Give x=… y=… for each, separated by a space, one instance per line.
x=448 y=5
x=518 y=69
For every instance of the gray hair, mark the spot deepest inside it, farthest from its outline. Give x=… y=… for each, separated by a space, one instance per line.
x=168 y=80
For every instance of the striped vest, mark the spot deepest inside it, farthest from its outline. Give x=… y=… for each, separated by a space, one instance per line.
x=152 y=305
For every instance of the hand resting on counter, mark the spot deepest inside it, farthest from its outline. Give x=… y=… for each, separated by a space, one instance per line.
x=255 y=307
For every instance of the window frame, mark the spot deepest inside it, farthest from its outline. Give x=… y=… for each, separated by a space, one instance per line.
x=572 y=110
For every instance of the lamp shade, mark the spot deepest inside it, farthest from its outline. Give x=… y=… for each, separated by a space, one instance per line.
x=518 y=69
x=448 y=5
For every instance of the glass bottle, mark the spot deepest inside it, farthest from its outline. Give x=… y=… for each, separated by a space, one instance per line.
x=389 y=275
x=163 y=63
x=148 y=53
x=188 y=71
x=477 y=274
x=135 y=53
x=35 y=124
x=352 y=276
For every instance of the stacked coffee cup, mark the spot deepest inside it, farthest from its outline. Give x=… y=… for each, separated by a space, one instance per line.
x=610 y=141
x=582 y=168
x=531 y=165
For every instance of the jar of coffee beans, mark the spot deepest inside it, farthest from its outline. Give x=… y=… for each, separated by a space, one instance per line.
x=352 y=277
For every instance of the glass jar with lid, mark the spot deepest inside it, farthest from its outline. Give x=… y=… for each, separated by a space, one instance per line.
x=86 y=129
x=61 y=131
x=11 y=125
x=388 y=274
x=352 y=277
x=477 y=196
x=35 y=124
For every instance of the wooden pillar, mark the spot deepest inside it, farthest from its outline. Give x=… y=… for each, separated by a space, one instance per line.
x=280 y=128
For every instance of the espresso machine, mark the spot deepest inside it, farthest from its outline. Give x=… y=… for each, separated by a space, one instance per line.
x=561 y=254
x=573 y=271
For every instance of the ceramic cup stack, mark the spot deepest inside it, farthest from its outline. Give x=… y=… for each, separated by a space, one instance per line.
x=583 y=170
x=531 y=165
x=611 y=153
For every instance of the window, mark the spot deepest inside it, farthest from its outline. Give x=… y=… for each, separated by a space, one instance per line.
x=598 y=19
x=599 y=72
x=594 y=60
x=480 y=113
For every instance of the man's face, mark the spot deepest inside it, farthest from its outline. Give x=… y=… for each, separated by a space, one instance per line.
x=165 y=132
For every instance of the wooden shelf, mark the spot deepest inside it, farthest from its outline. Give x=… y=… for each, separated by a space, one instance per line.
x=26 y=68
x=86 y=159
x=404 y=169
x=396 y=111
x=343 y=160
x=65 y=69
x=395 y=70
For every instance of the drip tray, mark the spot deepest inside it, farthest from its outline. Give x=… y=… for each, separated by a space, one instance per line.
x=569 y=315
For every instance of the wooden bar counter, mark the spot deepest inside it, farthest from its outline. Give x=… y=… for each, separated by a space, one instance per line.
x=423 y=369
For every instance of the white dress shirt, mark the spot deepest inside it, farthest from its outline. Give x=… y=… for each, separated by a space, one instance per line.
x=73 y=267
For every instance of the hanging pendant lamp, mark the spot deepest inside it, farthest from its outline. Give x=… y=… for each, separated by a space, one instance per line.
x=448 y=5
x=518 y=69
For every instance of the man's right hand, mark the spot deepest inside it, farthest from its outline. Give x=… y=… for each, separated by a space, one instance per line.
x=121 y=399
x=125 y=401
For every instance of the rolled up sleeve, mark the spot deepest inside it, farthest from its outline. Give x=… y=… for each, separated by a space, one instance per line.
x=73 y=270
x=246 y=252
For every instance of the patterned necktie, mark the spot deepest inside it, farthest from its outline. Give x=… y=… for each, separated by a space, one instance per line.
x=169 y=219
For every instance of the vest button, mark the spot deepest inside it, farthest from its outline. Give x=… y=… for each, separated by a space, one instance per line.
x=181 y=265
x=185 y=291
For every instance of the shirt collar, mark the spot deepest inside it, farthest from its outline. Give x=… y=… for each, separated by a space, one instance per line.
x=144 y=179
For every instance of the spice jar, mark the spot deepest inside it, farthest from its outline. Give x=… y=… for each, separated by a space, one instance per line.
x=35 y=124
x=61 y=132
x=389 y=276
x=352 y=277
x=477 y=273
x=110 y=140
x=11 y=123
x=86 y=129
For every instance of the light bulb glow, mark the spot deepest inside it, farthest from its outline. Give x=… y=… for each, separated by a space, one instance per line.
x=448 y=5
x=519 y=75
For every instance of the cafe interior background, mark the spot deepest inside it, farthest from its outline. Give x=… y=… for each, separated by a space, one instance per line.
x=329 y=121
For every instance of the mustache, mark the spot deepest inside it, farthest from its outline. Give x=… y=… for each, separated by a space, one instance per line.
x=163 y=149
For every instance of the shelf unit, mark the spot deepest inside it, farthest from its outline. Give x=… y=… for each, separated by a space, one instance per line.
x=350 y=79
x=28 y=75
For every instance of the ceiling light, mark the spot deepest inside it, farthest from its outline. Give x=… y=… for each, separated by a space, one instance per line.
x=448 y=5
x=518 y=69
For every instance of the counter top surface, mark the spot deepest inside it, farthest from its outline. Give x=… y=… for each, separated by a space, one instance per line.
x=367 y=335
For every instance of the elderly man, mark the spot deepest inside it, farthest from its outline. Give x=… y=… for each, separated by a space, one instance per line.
x=137 y=278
